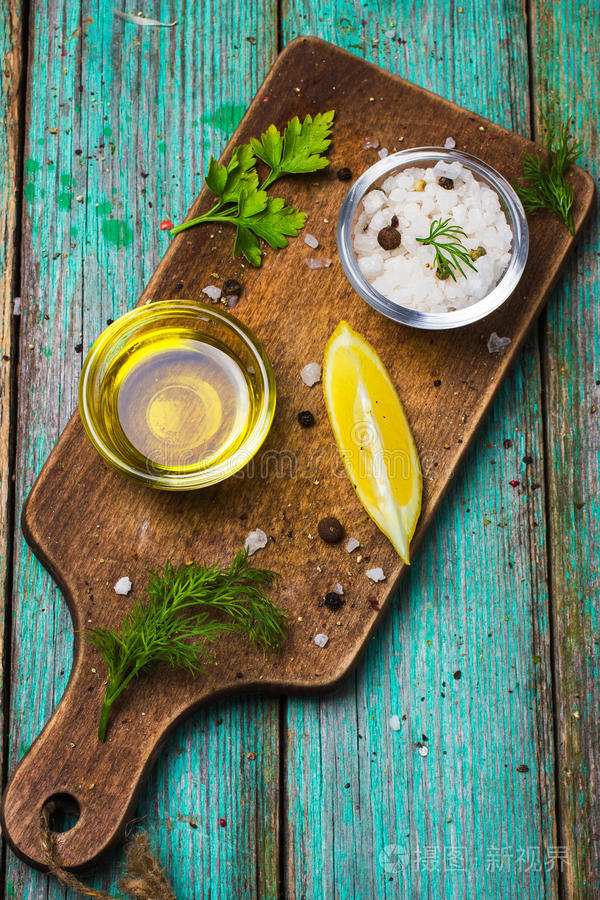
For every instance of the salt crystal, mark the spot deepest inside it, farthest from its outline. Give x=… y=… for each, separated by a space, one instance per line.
x=450 y=143
x=394 y=723
x=321 y=640
x=311 y=240
x=17 y=306
x=311 y=374
x=423 y=750
x=313 y=262
x=370 y=143
x=497 y=344
x=123 y=586
x=338 y=588
x=256 y=540
x=383 y=153
x=375 y=574
x=231 y=299
x=352 y=545
x=212 y=291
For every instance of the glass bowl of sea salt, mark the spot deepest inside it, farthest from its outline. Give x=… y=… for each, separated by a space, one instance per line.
x=396 y=202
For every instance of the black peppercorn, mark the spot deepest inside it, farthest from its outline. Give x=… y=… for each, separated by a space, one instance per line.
x=330 y=530
x=333 y=600
x=394 y=222
x=437 y=382
x=232 y=286
x=446 y=183
x=306 y=418
x=344 y=174
x=389 y=238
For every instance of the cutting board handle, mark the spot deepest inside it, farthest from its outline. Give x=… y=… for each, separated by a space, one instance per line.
x=63 y=766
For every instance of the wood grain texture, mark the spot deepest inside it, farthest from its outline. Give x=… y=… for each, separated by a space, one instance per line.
x=384 y=820
x=11 y=53
x=567 y=59
x=85 y=541
x=137 y=113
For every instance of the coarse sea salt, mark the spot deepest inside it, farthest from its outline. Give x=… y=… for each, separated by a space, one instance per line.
x=212 y=291
x=311 y=374
x=497 y=344
x=394 y=723
x=406 y=275
x=313 y=262
x=338 y=588
x=123 y=586
x=375 y=574
x=321 y=640
x=352 y=545
x=311 y=240
x=256 y=540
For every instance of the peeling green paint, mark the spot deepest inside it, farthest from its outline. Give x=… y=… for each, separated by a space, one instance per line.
x=117 y=232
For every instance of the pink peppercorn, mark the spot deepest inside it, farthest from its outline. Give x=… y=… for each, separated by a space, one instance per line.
x=222 y=822
x=514 y=483
x=166 y=225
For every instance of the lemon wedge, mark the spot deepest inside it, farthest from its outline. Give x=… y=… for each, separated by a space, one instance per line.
x=373 y=435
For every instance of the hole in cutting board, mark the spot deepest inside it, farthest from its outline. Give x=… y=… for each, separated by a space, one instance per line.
x=63 y=812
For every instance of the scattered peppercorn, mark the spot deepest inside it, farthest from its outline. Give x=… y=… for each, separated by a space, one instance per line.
x=222 y=822
x=166 y=225
x=394 y=222
x=389 y=238
x=522 y=768
x=507 y=443
x=306 y=418
x=78 y=348
x=374 y=603
x=344 y=174
x=528 y=460
x=437 y=382
x=458 y=675
x=419 y=185
x=446 y=183
x=514 y=483
x=232 y=286
x=475 y=254
x=333 y=600
x=330 y=530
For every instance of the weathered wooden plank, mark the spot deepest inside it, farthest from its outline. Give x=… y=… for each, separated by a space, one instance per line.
x=11 y=52
x=566 y=52
x=369 y=814
x=120 y=123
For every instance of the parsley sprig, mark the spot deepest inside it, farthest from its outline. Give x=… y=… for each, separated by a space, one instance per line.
x=183 y=611
x=543 y=185
x=243 y=202
x=451 y=252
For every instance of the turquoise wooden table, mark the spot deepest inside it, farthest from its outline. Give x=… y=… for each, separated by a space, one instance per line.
x=491 y=787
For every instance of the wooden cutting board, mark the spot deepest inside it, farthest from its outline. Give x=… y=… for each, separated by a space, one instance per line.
x=89 y=525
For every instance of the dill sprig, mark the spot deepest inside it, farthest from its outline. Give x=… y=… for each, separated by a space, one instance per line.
x=451 y=252
x=543 y=184
x=185 y=609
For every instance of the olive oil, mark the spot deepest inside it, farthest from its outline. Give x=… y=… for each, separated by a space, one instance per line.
x=176 y=400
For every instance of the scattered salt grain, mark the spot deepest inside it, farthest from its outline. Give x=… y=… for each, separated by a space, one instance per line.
x=311 y=374
x=313 y=262
x=123 y=586
x=352 y=545
x=370 y=143
x=338 y=588
x=321 y=640
x=497 y=344
x=394 y=723
x=311 y=240
x=450 y=143
x=17 y=306
x=383 y=153
x=423 y=751
x=231 y=299
x=375 y=574
x=212 y=291
x=256 y=540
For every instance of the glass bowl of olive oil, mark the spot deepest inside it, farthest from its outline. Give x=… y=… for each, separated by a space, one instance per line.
x=177 y=394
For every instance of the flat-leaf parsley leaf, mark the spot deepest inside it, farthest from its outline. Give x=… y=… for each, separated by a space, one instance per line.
x=241 y=199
